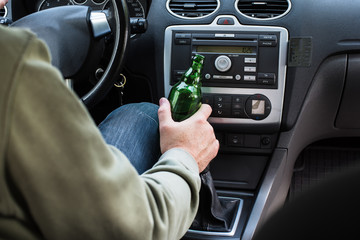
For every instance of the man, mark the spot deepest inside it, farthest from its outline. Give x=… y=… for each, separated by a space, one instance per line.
x=59 y=178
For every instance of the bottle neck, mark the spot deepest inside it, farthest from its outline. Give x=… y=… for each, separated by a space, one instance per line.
x=193 y=75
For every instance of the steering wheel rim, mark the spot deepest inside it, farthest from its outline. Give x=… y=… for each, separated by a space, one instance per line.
x=75 y=59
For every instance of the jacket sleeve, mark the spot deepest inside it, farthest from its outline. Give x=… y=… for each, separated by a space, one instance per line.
x=75 y=186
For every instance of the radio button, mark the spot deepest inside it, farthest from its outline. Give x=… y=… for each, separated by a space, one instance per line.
x=223 y=63
x=176 y=76
x=182 y=41
x=237 y=77
x=207 y=76
x=179 y=73
x=224 y=35
x=250 y=60
x=266 y=81
x=267 y=44
x=249 y=78
x=266 y=75
x=183 y=35
x=268 y=40
x=223 y=77
x=249 y=69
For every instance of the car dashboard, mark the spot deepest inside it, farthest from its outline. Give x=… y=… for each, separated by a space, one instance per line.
x=281 y=76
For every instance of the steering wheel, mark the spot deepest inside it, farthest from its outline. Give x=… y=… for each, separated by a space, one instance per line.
x=76 y=36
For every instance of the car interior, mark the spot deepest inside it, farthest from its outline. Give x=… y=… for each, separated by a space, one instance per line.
x=282 y=78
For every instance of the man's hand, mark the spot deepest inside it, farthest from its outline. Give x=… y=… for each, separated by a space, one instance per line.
x=3 y=3
x=195 y=134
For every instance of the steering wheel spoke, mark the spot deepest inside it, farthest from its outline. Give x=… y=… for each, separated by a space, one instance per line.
x=99 y=23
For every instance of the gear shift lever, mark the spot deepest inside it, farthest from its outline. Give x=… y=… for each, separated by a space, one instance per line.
x=213 y=214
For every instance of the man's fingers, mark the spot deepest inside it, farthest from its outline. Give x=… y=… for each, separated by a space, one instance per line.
x=164 y=112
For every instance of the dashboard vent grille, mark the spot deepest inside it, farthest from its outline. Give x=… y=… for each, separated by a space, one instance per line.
x=192 y=8
x=264 y=9
x=3 y=12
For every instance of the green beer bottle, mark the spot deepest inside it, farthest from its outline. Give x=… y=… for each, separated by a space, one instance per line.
x=185 y=96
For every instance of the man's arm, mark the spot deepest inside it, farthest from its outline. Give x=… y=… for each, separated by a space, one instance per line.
x=75 y=185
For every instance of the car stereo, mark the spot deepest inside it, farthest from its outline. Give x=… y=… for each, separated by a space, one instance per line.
x=244 y=69
x=232 y=59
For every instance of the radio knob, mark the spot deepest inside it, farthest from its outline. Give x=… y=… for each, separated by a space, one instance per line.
x=223 y=63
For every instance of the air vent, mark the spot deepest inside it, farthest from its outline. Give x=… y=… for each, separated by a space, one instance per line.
x=192 y=8
x=3 y=12
x=264 y=10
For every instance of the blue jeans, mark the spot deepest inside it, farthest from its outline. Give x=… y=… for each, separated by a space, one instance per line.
x=134 y=130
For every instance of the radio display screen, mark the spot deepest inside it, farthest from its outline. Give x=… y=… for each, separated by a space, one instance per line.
x=226 y=49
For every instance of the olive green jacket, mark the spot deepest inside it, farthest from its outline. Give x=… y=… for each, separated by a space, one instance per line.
x=59 y=179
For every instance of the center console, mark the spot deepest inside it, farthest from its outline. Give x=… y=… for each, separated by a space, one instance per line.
x=244 y=81
x=244 y=68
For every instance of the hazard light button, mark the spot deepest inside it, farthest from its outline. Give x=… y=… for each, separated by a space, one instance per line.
x=225 y=21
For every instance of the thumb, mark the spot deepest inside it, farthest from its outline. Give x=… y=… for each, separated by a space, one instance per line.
x=164 y=111
x=203 y=112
